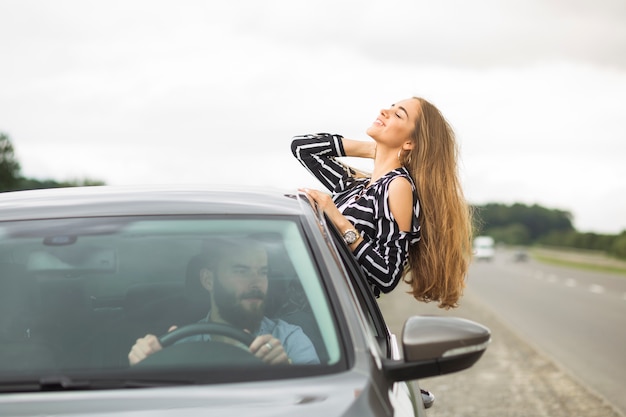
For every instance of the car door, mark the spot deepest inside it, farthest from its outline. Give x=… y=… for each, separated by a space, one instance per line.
x=403 y=396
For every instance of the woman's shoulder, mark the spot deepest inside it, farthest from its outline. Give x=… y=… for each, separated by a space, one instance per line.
x=400 y=178
x=400 y=185
x=396 y=189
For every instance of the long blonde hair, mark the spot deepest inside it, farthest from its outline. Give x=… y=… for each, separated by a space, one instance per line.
x=438 y=263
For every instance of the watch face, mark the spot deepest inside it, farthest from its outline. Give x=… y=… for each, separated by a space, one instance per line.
x=350 y=236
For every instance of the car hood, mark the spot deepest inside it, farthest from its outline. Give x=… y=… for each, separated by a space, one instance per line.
x=326 y=396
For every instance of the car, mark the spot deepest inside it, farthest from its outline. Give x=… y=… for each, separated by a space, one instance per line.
x=484 y=249
x=520 y=255
x=86 y=271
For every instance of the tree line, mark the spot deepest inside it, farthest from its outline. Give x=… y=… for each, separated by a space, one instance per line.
x=515 y=224
x=11 y=178
x=520 y=224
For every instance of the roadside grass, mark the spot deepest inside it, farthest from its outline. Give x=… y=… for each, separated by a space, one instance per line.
x=591 y=261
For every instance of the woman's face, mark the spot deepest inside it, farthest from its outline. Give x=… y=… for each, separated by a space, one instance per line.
x=394 y=126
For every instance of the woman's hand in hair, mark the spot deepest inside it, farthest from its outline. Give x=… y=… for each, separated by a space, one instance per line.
x=359 y=149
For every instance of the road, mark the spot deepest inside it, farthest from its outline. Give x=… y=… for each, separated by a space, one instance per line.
x=559 y=337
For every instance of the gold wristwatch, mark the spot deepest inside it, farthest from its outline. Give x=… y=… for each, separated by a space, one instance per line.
x=350 y=236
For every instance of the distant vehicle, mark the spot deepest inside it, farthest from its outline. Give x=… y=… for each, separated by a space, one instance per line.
x=520 y=255
x=484 y=249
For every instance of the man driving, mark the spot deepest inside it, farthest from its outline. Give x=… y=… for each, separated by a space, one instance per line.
x=235 y=274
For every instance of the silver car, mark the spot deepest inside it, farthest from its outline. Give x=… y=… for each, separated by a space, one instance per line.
x=86 y=272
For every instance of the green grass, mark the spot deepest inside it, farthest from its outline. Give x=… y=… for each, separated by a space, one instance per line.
x=590 y=266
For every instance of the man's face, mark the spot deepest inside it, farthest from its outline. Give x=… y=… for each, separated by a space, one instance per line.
x=240 y=286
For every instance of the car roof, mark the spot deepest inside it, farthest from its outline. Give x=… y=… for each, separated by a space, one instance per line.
x=95 y=201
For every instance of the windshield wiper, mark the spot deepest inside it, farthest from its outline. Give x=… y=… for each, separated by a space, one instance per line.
x=65 y=383
x=61 y=383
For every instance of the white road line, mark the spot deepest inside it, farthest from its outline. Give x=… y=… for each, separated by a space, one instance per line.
x=570 y=282
x=596 y=289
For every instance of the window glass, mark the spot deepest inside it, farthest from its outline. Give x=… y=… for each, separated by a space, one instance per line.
x=76 y=294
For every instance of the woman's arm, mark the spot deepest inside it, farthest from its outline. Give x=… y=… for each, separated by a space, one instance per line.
x=327 y=205
x=383 y=256
x=359 y=148
x=317 y=154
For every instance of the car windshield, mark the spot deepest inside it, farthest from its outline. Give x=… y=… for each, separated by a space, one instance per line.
x=77 y=294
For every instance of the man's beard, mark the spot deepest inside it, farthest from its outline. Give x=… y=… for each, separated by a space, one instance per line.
x=234 y=313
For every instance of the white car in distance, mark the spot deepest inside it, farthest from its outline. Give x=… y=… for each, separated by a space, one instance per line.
x=484 y=249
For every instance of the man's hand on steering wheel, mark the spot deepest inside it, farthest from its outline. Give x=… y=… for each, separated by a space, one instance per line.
x=269 y=350
x=264 y=347
x=145 y=347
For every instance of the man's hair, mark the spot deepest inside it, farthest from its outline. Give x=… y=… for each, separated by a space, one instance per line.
x=213 y=250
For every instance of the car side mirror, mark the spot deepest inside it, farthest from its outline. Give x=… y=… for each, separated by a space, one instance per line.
x=435 y=345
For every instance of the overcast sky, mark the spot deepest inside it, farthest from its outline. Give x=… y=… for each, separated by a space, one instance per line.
x=150 y=92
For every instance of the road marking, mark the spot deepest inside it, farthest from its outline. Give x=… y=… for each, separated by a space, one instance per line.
x=596 y=289
x=570 y=282
x=552 y=278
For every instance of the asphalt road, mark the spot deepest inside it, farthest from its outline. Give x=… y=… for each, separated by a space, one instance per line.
x=559 y=338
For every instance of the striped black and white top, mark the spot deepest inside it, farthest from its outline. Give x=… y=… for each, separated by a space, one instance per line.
x=383 y=253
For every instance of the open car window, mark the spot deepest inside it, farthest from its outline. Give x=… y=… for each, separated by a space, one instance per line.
x=75 y=295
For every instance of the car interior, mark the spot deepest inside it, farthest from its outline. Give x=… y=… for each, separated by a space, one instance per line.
x=76 y=295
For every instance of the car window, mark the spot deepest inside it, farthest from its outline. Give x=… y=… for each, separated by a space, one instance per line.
x=76 y=294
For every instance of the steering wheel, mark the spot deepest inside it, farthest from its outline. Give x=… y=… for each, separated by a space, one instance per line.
x=206 y=328
x=209 y=353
